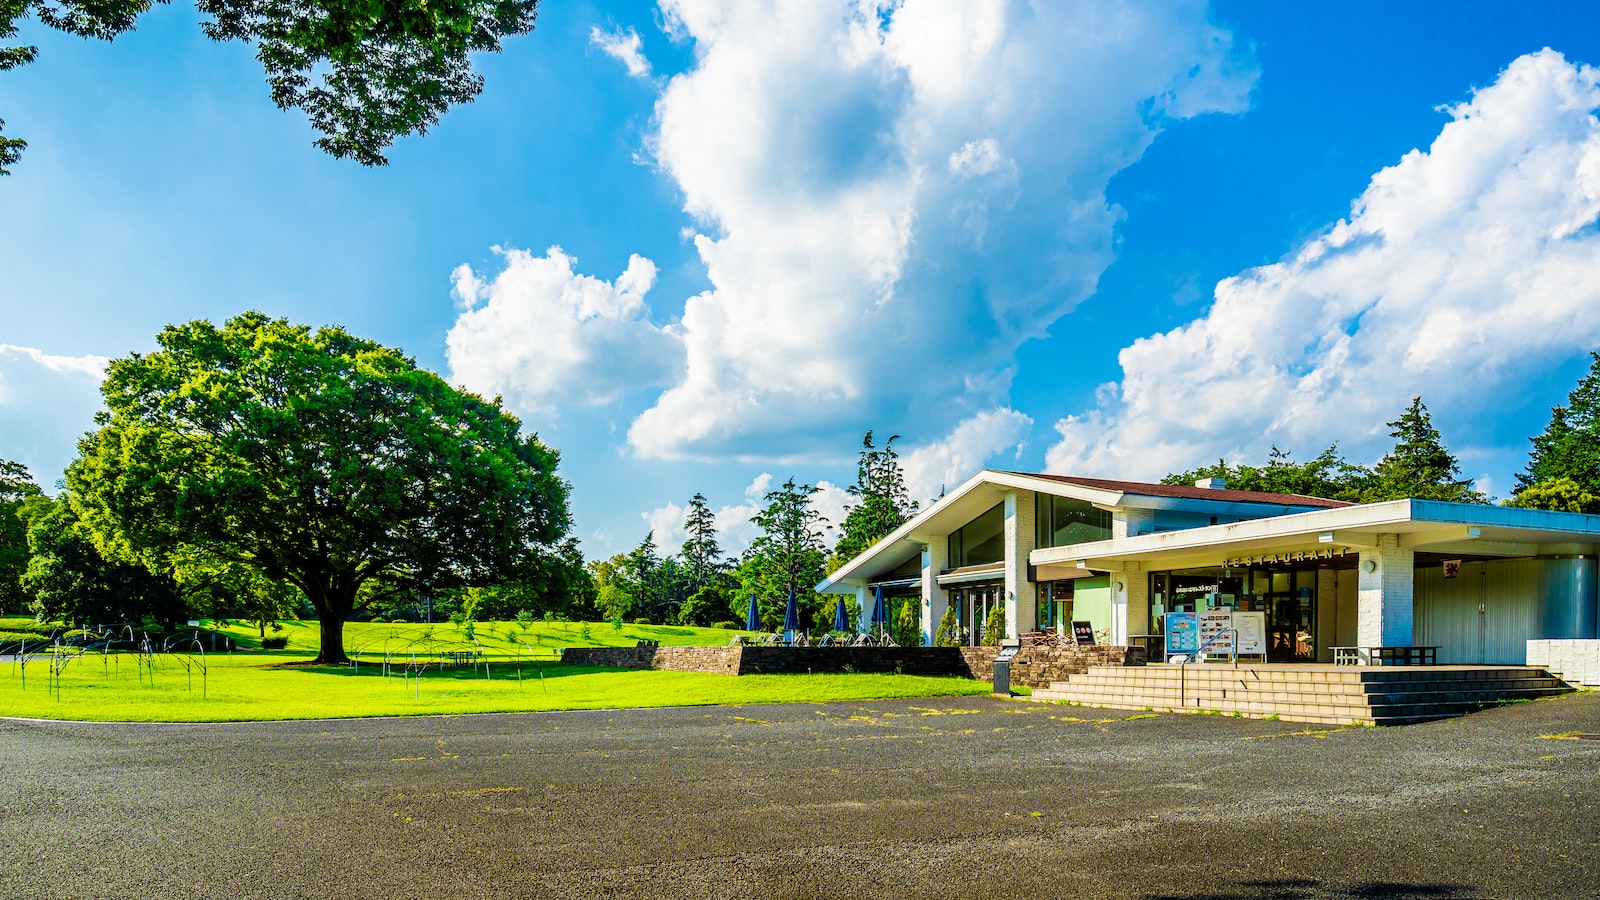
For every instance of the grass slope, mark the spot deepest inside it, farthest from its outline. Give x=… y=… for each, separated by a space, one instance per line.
x=270 y=685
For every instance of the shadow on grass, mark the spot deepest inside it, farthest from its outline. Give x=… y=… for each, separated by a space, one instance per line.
x=498 y=670
x=1306 y=888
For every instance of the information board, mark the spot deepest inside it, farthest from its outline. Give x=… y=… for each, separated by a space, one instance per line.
x=1182 y=633
x=1216 y=635
x=1006 y=654
x=1252 y=632
x=1083 y=633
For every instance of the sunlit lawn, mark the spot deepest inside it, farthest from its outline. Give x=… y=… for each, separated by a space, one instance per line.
x=257 y=685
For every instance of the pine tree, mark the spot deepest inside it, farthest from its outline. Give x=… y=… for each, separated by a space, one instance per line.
x=701 y=555
x=788 y=555
x=1570 y=445
x=885 y=504
x=1419 y=466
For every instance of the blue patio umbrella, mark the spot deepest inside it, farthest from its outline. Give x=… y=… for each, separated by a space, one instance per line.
x=791 y=614
x=880 y=616
x=752 y=621
x=841 y=619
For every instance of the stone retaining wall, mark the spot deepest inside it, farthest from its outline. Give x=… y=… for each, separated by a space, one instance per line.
x=1034 y=666
x=1573 y=661
x=1044 y=666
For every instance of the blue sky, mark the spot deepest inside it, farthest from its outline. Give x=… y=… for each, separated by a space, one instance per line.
x=1105 y=240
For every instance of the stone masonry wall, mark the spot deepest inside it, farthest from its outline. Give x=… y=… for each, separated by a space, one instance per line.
x=1043 y=666
x=715 y=660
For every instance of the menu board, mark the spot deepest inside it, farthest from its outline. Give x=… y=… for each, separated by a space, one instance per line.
x=1182 y=636
x=1252 y=633
x=1083 y=633
x=1216 y=634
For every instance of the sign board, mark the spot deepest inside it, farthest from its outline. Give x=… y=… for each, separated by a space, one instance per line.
x=1452 y=568
x=1183 y=635
x=1083 y=633
x=1216 y=635
x=1252 y=632
x=193 y=623
x=1006 y=655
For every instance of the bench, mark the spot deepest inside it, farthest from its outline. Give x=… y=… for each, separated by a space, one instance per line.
x=1385 y=656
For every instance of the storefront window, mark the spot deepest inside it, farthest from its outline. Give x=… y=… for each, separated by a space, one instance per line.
x=1061 y=521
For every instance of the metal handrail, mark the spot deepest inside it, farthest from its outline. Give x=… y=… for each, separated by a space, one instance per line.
x=1183 y=672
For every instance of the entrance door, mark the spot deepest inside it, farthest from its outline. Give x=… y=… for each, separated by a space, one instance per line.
x=1291 y=627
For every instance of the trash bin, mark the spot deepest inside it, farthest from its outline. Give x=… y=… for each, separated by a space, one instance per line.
x=1002 y=671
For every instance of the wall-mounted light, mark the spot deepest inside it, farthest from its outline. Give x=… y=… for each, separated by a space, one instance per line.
x=1369 y=565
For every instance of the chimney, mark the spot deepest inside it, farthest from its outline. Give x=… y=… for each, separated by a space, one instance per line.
x=1215 y=484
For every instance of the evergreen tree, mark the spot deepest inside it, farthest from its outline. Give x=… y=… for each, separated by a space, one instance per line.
x=1419 y=466
x=701 y=555
x=885 y=504
x=1560 y=494
x=788 y=554
x=72 y=582
x=1570 y=445
x=644 y=573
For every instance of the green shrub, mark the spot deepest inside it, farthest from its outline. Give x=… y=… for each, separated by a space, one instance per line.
x=730 y=626
x=274 y=643
x=525 y=618
x=642 y=620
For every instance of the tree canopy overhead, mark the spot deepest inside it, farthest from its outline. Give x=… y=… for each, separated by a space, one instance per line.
x=319 y=459
x=382 y=68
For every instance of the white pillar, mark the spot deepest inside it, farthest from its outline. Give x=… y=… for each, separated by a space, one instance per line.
x=934 y=599
x=1136 y=610
x=1131 y=522
x=1022 y=595
x=1327 y=613
x=864 y=598
x=1383 y=611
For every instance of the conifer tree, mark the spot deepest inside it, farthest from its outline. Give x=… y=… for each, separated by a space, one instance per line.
x=1569 y=447
x=884 y=502
x=1419 y=466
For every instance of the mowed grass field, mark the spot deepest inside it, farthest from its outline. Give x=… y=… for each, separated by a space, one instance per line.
x=521 y=676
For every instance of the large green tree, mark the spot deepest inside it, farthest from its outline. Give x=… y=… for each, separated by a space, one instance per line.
x=788 y=555
x=315 y=458
x=72 y=581
x=1419 y=466
x=1569 y=447
x=364 y=71
x=883 y=502
x=1328 y=475
x=17 y=490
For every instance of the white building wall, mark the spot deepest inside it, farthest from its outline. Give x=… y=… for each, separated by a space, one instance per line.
x=1131 y=522
x=1384 y=618
x=934 y=600
x=1021 y=597
x=1573 y=661
x=1327 y=614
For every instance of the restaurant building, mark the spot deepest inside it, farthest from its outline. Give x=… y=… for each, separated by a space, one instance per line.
x=1477 y=583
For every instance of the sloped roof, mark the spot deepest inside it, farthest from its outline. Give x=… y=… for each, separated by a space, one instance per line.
x=1190 y=492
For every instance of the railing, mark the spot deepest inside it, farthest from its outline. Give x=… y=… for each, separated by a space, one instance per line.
x=1233 y=652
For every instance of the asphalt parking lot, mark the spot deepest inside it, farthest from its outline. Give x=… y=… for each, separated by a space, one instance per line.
x=939 y=798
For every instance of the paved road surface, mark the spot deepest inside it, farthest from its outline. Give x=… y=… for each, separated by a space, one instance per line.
x=906 y=799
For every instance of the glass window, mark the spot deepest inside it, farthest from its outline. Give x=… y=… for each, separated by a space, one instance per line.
x=1061 y=521
x=981 y=541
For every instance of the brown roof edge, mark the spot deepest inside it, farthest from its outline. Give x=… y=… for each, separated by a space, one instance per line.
x=1188 y=492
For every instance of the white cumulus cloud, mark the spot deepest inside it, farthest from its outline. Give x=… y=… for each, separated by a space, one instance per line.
x=1461 y=268
x=545 y=336
x=623 y=46
x=938 y=466
x=46 y=402
x=880 y=192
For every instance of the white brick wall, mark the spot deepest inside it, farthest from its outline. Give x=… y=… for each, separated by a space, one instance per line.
x=1384 y=614
x=1021 y=594
x=1573 y=661
x=1131 y=522
x=934 y=599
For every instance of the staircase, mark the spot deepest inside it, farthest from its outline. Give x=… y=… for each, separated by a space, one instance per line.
x=1344 y=695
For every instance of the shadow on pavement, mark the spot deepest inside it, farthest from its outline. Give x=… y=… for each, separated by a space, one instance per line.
x=1306 y=888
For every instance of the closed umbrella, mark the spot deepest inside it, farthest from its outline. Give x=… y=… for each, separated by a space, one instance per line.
x=791 y=616
x=841 y=619
x=880 y=617
x=752 y=622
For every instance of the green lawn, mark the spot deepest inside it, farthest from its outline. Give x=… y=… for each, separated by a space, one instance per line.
x=257 y=685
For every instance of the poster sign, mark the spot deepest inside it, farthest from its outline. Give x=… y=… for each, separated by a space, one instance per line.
x=1252 y=632
x=1452 y=568
x=1182 y=633
x=1083 y=633
x=1215 y=634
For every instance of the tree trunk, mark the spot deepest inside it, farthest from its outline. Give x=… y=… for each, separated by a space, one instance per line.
x=332 y=628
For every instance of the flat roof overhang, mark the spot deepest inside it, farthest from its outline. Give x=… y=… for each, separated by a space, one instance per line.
x=1431 y=525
